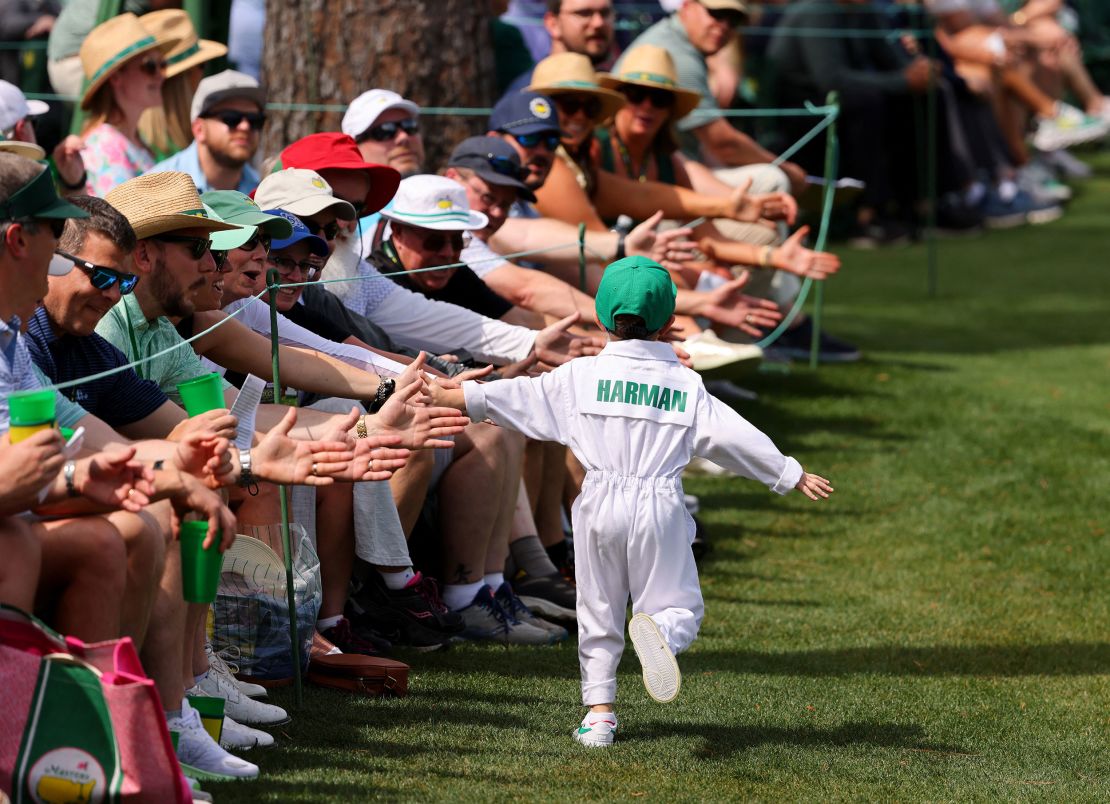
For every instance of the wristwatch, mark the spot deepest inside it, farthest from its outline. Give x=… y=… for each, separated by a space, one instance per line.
x=384 y=392
x=68 y=473
x=247 y=480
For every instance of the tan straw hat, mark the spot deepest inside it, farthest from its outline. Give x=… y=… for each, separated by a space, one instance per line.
x=652 y=66
x=566 y=73
x=156 y=203
x=20 y=148
x=174 y=24
x=110 y=45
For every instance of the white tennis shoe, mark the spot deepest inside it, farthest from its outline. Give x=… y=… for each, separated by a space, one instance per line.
x=597 y=730
x=662 y=678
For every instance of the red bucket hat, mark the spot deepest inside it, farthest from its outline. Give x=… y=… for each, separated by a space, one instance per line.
x=336 y=150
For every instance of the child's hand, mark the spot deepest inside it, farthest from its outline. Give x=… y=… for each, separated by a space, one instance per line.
x=814 y=486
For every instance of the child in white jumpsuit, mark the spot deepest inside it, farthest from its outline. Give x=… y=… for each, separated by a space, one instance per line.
x=633 y=416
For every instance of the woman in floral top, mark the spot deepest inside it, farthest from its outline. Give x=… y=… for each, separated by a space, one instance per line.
x=125 y=67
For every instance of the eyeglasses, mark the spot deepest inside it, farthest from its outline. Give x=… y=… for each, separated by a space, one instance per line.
x=196 y=246
x=731 y=17
x=103 y=278
x=570 y=106
x=152 y=66
x=258 y=238
x=548 y=141
x=328 y=230
x=286 y=266
x=433 y=242
x=659 y=98
x=388 y=131
x=233 y=119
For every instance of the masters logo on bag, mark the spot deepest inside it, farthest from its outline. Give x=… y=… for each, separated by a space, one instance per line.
x=67 y=776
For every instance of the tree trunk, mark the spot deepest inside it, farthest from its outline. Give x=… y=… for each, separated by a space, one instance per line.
x=327 y=52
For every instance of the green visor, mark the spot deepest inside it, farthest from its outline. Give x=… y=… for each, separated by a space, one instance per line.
x=234 y=207
x=38 y=199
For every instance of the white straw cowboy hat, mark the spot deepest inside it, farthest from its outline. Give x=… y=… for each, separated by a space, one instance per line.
x=110 y=45
x=566 y=73
x=190 y=50
x=652 y=66
x=157 y=203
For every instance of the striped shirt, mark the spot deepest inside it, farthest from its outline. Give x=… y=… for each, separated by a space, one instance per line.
x=18 y=373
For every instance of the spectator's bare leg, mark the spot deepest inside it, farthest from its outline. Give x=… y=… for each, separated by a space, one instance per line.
x=545 y=476
x=410 y=488
x=469 y=503
x=335 y=545
x=162 y=649
x=19 y=571
x=512 y=459
x=144 y=537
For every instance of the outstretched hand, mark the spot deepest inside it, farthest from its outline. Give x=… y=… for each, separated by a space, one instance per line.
x=794 y=257
x=671 y=249
x=814 y=486
x=206 y=456
x=728 y=306
x=417 y=425
x=115 y=479
x=750 y=208
x=555 y=345
x=281 y=459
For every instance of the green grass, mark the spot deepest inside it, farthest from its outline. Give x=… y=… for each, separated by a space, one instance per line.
x=937 y=631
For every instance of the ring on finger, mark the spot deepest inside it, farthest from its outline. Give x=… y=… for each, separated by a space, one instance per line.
x=314 y=470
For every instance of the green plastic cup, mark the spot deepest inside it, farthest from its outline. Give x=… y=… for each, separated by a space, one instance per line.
x=29 y=412
x=202 y=394
x=200 y=568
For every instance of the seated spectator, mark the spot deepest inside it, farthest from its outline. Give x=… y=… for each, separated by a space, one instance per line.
x=227 y=115
x=124 y=67
x=166 y=128
x=17 y=135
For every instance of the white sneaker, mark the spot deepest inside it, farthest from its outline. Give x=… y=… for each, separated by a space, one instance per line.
x=597 y=730
x=197 y=750
x=227 y=668
x=243 y=738
x=710 y=353
x=662 y=678
x=239 y=706
x=1069 y=127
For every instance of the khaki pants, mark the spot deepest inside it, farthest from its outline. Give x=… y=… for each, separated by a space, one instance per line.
x=66 y=75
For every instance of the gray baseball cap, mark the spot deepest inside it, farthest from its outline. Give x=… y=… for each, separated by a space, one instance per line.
x=224 y=86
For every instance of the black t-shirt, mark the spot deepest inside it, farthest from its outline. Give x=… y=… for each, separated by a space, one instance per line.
x=465 y=288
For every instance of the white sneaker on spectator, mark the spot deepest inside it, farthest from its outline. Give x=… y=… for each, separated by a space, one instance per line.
x=236 y=736
x=197 y=749
x=226 y=668
x=1069 y=127
x=486 y=620
x=597 y=729
x=1067 y=165
x=710 y=353
x=239 y=706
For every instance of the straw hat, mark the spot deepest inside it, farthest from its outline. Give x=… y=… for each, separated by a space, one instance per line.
x=109 y=46
x=652 y=66
x=174 y=24
x=156 y=203
x=20 y=148
x=566 y=73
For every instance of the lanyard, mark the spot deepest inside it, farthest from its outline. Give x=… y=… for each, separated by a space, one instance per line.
x=626 y=158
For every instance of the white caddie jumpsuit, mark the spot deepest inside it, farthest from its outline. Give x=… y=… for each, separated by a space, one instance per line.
x=633 y=416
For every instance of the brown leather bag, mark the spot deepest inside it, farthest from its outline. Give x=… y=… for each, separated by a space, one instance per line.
x=369 y=675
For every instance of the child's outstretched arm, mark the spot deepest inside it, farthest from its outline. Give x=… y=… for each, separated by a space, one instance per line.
x=814 y=486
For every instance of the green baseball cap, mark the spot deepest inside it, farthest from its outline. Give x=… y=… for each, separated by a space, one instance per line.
x=636 y=286
x=38 y=199
x=232 y=206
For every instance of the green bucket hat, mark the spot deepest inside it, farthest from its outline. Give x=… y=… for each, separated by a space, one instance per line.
x=38 y=199
x=232 y=206
x=636 y=286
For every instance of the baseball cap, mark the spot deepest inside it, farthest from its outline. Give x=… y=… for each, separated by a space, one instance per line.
x=636 y=286
x=738 y=6
x=231 y=206
x=302 y=192
x=38 y=199
x=524 y=113
x=333 y=149
x=434 y=202
x=495 y=162
x=316 y=244
x=223 y=86
x=369 y=106
x=14 y=106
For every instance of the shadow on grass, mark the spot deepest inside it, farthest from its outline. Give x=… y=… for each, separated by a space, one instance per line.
x=714 y=742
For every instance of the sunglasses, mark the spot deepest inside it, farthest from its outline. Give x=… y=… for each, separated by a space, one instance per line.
x=548 y=141
x=388 y=131
x=258 y=238
x=433 y=242
x=103 y=278
x=220 y=258
x=286 y=266
x=328 y=231
x=233 y=119
x=659 y=98
x=569 y=106
x=152 y=66
x=57 y=226
x=730 y=17
x=505 y=166
x=196 y=246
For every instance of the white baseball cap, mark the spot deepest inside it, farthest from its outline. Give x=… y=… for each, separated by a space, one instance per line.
x=434 y=202
x=14 y=106
x=369 y=106
x=302 y=192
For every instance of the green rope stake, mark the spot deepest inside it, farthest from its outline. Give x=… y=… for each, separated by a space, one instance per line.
x=582 y=257
x=832 y=158
x=283 y=492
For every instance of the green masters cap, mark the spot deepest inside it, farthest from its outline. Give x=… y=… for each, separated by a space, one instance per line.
x=234 y=207
x=38 y=199
x=636 y=286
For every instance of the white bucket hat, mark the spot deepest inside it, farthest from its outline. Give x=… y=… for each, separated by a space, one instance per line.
x=434 y=202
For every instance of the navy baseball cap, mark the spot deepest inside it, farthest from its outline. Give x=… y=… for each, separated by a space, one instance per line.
x=494 y=161
x=316 y=244
x=524 y=113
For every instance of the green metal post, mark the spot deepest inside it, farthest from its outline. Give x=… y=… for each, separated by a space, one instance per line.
x=931 y=174
x=832 y=159
x=582 y=257
x=286 y=541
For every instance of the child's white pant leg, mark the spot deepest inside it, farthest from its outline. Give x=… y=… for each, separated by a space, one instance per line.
x=602 y=579
x=662 y=574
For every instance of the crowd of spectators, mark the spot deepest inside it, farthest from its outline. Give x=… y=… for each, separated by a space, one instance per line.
x=159 y=222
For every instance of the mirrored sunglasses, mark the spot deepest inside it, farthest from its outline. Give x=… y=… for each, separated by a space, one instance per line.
x=101 y=277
